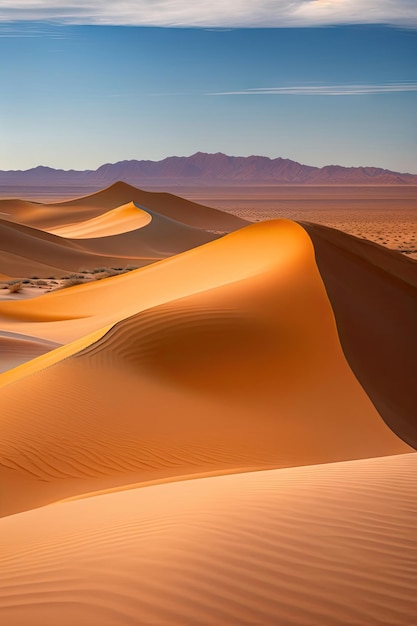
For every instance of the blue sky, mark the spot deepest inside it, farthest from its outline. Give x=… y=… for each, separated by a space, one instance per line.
x=79 y=95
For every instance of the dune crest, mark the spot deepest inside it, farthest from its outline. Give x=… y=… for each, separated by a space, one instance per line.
x=114 y=222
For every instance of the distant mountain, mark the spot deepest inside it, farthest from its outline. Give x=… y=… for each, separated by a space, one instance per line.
x=207 y=169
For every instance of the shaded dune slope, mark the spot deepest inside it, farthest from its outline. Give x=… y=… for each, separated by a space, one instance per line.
x=330 y=544
x=32 y=249
x=16 y=349
x=169 y=205
x=373 y=292
x=13 y=208
x=235 y=376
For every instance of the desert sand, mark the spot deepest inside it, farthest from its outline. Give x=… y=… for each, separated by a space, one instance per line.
x=224 y=435
x=386 y=215
x=329 y=544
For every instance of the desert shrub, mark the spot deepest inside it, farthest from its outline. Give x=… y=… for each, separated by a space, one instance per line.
x=41 y=282
x=108 y=274
x=71 y=282
x=3 y=286
x=73 y=276
x=15 y=287
x=97 y=270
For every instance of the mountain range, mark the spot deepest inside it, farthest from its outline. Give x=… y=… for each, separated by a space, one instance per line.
x=208 y=169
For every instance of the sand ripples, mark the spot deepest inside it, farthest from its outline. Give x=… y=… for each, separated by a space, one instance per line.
x=331 y=544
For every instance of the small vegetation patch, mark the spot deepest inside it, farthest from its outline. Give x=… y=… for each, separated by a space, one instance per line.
x=15 y=287
x=72 y=281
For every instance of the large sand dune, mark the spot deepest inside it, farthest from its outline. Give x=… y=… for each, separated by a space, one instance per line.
x=147 y=400
x=127 y=234
x=330 y=544
x=223 y=370
x=88 y=207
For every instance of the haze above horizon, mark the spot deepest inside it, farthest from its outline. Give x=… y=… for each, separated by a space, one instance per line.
x=79 y=89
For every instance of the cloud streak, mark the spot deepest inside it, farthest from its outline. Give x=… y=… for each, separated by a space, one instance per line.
x=322 y=90
x=214 y=14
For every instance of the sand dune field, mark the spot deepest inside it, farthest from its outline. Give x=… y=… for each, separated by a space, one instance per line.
x=223 y=432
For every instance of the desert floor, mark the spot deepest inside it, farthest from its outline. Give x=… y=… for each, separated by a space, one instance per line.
x=385 y=215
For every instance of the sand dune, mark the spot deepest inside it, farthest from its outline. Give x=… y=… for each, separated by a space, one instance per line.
x=115 y=238
x=231 y=375
x=373 y=292
x=88 y=207
x=120 y=220
x=85 y=308
x=331 y=544
x=167 y=204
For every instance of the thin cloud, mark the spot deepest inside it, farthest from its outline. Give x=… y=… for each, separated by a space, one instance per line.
x=322 y=90
x=214 y=14
x=35 y=29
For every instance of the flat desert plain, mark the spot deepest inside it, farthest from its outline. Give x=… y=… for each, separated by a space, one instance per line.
x=385 y=214
x=207 y=416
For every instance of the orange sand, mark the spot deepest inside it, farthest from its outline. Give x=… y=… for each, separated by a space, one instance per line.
x=221 y=358
x=219 y=332
x=127 y=235
x=120 y=220
x=330 y=544
x=80 y=209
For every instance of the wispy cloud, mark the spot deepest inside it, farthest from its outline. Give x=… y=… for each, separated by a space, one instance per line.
x=216 y=13
x=322 y=90
x=33 y=29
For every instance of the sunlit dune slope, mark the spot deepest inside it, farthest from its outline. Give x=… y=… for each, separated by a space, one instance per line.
x=25 y=250
x=114 y=222
x=85 y=308
x=244 y=370
x=330 y=544
x=81 y=209
x=373 y=292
